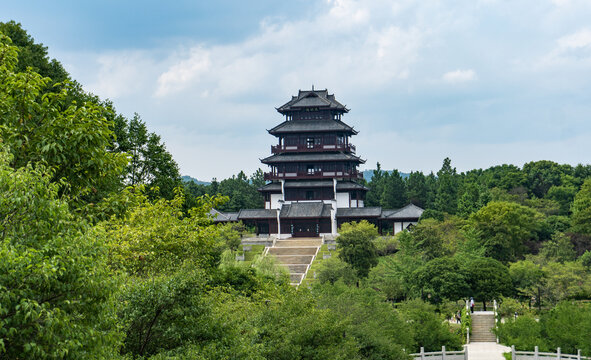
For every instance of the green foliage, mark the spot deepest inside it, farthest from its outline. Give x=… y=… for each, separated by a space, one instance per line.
x=447 y=193
x=505 y=227
x=156 y=238
x=150 y=164
x=559 y=249
x=417 y=189
x=542 y=175
x=165 y=312
x=523 y=332
x=581 y=219
x=428 y=328
x=567 y=326
x=70 y=138
x=394 y=194
x=443 y=279
x=386 y=245
x=489 y=279
x=55 y=287
x=333 y=269
x=356 y=246
x=31 y=54
x=366 y=311
x=527 y=278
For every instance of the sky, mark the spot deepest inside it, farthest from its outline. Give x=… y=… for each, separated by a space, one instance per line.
x=483 y=82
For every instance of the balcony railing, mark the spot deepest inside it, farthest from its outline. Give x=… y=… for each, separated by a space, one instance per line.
x=277 y=149
x=313 y=175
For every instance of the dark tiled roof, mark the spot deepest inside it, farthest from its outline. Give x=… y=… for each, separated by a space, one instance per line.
x=349 y=185
x=410 y=211
x=359 y=212
x=218 y=216
x=308 y=183
x=305 y=210
x=274 y=186
x=257 y=214
x=299 y=126
x=312 y=98
x=312 y=157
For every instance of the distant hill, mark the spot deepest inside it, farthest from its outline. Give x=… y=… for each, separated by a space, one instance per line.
x=187 y=178
x=368 y=174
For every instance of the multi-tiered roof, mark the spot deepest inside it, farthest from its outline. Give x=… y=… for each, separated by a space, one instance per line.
x=313 y=142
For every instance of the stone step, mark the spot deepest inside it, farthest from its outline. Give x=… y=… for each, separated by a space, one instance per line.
x=298 y=242
x=296 y=278
x=293 y=251
x=296 y=268
x=294 y=259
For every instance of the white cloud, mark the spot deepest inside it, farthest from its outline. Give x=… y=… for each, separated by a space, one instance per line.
x=459 y=76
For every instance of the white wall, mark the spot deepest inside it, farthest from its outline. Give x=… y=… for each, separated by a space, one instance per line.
x=342 y=200
x=275 y=200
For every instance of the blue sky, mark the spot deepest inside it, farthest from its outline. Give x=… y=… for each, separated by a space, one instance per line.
x=484 y=82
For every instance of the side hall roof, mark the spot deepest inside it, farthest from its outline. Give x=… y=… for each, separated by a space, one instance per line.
x=218 y=216
x=312 y=126
x=361 y=212
x=312 y=98
x=246 y=214
x=410 y=211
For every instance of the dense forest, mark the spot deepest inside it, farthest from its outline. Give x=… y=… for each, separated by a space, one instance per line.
x=105 y=254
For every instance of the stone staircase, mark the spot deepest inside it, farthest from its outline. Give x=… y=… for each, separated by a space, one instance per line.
x=296 y=254
x=482 y=324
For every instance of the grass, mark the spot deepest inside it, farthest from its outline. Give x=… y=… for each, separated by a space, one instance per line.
x=309 y=280
x=250 y=255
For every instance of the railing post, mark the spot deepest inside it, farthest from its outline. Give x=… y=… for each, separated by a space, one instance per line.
x=536 y=353
x=467 y=335
x=513 y=355
x=558 y=354
x=579 y=354
x=422 y=353
x=465 y=352
x=443 y=352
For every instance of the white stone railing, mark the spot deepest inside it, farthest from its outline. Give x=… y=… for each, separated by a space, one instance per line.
x=537 y=355
x=441 y=355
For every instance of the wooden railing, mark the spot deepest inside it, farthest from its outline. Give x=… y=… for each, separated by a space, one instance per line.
x=277 y=149
x=443 y=355
x=313 y=175
x=537 y=355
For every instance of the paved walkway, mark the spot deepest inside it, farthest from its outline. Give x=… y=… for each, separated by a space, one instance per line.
x=486 y=351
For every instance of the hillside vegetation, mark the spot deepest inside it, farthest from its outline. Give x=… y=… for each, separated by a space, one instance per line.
x=104 y=254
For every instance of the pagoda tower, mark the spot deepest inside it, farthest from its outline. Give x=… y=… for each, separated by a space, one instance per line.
x=313 y=166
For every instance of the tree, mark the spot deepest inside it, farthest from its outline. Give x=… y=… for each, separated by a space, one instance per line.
x=394 y=193
x=505 y=227
x=528 y=279
x=417 y=190
x=150 y=163
x=376 y=187
x=581 y=218
x=564 y=195
x=33 y=55
x=470 y=201
x=356 y=246
x=559 y=249
x=542 y=175
x=55 y=286
x=155 y=238
x=488 y=279
x=72 y=140
x=429 y=331
x=443 y=279
x=242 y=192
x=447 y=192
